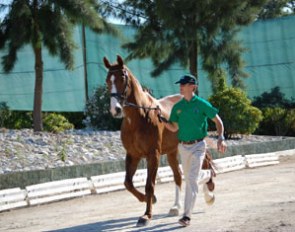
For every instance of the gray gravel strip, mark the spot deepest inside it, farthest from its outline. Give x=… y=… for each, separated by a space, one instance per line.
x=24 y=150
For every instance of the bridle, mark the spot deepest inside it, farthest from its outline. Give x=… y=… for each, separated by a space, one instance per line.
x=123 y=96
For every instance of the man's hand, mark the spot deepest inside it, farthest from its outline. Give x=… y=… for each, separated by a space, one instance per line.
x=160 y=116
x=221 y=145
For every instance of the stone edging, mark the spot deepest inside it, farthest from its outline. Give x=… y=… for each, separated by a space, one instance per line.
x=22 y=179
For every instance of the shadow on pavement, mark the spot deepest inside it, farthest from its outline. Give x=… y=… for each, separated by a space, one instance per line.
x=125 y=224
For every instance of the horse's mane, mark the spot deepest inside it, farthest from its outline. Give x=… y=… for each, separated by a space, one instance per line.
x=141 y=96
x=144 y=98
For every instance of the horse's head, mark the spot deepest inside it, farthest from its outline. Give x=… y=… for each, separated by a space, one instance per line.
x=117 y=82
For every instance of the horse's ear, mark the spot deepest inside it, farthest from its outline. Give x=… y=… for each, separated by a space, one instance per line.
x=120 y=60
x=106 y=62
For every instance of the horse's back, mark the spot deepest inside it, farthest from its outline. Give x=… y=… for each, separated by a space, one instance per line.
x=170 y=141
x=166 y=103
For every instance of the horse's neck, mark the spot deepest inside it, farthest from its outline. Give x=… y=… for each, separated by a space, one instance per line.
x=138 y=96
x=141 y=100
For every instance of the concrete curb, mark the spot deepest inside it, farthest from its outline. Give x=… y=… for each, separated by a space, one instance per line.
x=23 y=179
x=78 y=187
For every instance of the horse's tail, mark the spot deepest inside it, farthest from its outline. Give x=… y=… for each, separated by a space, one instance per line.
x=208 y=163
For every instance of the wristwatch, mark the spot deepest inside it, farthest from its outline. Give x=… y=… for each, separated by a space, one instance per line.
x=221 y=137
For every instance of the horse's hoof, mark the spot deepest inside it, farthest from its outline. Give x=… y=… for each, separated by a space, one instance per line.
x=174 y=211
x=154 y=199
x=143 y=221
x=211 y=200
x=211 y=185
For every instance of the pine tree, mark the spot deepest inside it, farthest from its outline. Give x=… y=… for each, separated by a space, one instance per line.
x=194 y=33
x=277 y=8
x=47 y=24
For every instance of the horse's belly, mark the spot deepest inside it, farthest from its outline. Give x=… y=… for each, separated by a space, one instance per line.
x=143 y=144
x=133 y=145
x=140 y=144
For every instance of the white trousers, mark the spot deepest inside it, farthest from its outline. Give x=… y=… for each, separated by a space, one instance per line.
x=192 y=157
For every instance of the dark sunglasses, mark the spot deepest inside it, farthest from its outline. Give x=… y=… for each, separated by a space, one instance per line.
x=186 y=84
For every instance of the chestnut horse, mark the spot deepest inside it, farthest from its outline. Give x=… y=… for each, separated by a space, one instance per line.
x=142 y=134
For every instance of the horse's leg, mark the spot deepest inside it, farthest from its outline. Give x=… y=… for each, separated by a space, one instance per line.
x=152 y=168
x=206 y=178
x=131 y=166
x=174 y=164
x=208 y=196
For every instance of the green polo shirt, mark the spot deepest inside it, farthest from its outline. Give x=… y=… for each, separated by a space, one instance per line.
x=191 y=117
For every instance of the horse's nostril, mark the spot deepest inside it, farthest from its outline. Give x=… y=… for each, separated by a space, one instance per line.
x=118 y=110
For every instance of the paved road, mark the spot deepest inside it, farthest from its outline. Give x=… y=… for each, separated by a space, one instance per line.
x=260 y=199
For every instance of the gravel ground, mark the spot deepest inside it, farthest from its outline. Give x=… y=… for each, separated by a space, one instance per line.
x=24 y=150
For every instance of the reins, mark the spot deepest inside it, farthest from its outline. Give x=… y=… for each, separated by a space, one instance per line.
x=140 y=107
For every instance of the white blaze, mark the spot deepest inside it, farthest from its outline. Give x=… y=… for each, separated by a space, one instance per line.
x=114 y=102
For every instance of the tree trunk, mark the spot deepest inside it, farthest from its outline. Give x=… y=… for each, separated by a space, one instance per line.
x=85 y=61
x=193 y=61
x=37 y=113
x=37 y=46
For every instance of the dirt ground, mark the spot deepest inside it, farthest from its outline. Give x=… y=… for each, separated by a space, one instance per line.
x=260 y=199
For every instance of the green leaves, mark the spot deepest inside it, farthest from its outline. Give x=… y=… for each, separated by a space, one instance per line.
x=50 y=23
x=236 y=111
x=278 y=113
x=13 y=34
x=277 y=8
x=189 y=31
x=97 y=111
x=56 y=123
x=278 y=121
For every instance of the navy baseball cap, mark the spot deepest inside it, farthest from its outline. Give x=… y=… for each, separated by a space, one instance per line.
x=187 y=79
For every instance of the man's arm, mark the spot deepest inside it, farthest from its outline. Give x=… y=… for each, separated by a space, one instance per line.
x=221 y=145
x=172 y=126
